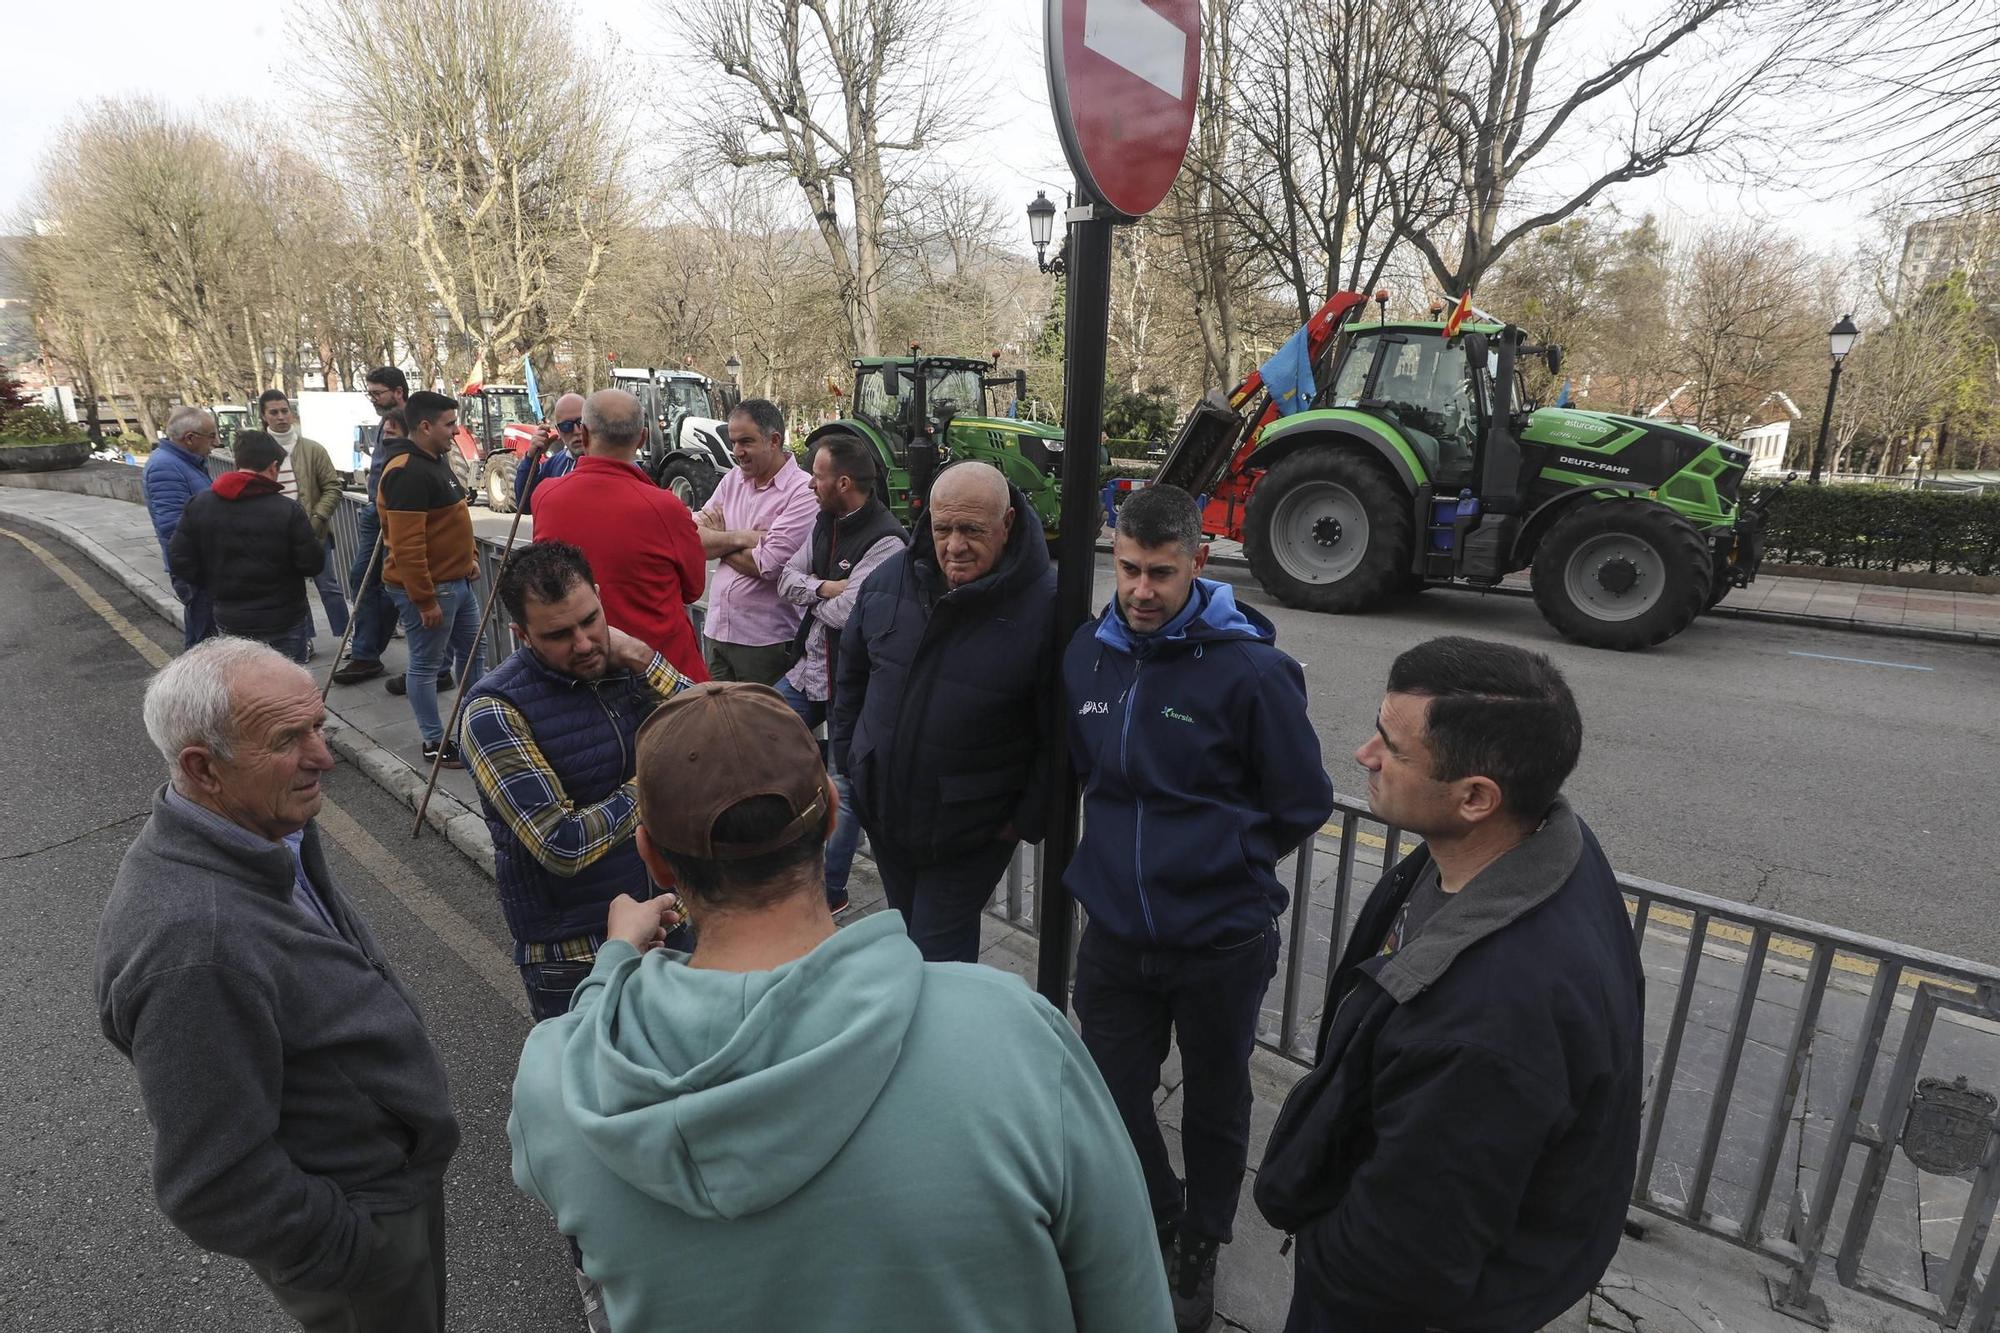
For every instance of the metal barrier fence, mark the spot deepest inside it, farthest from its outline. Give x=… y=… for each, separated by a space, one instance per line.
x=1806 y=1019
x=500 y=639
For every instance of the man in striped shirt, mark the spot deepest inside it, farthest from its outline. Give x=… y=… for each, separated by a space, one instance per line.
x=549 y=738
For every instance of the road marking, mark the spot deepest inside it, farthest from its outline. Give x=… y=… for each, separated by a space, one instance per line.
x=445 y=921
x=1862 y=661
x=463 y=938
x=1139 y=41
x=1797 y=950
x=155 y=656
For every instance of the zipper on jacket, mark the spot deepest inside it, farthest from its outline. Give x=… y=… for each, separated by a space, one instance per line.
x=1139 y=802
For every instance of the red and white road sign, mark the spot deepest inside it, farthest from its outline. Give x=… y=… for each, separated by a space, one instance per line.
x=1123 y=75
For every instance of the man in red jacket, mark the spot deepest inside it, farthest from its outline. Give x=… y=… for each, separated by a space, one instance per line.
x=638 y=537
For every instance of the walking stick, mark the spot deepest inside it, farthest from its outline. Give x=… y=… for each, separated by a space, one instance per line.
x=478 y=640
x=347 y=635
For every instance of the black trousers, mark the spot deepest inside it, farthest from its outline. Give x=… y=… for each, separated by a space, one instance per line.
x=403 y=1290
x=941 y=903
x=1132 y=999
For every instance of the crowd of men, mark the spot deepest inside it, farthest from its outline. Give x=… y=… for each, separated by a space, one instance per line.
x=742 y=1115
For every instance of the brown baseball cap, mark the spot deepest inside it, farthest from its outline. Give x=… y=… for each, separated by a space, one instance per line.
x=719 y=743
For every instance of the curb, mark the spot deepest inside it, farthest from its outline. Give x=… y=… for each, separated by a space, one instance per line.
x=461 y=826
x=1925 y=633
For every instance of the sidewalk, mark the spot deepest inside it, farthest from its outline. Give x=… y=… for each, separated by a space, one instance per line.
x=1668 y=1279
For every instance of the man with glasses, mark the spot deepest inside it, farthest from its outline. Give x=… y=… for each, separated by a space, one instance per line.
x=559 y=452
x=639 y=537
x=176 y=471
x=374 y=613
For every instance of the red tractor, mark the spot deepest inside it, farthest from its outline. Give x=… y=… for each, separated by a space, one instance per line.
x=497 y=425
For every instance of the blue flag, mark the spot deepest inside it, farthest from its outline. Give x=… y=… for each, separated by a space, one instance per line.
x=1562 y=399
x=534 y=391
x=1289 y=375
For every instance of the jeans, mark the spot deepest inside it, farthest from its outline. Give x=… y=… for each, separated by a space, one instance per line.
x=197 y=615
x=941 y=903
x=1130 y=999
x=453 y=643
x=327 y=582
x=847 y=829
x=551 y=985
x=374 y=610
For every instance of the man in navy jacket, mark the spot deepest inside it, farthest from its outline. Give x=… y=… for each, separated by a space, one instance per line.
x=176 y=472
x=1462 y=1154
x=1200 y=768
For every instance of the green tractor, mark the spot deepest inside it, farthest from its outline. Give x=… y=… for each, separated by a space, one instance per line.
x=921 y=412
x=1418 y=460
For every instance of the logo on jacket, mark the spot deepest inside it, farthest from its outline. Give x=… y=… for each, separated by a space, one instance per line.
x=1093 y=706
x=1172 y=716
x=846 y=565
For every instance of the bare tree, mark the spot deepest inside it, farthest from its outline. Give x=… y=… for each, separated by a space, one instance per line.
x=496 y=132
x=830 y=94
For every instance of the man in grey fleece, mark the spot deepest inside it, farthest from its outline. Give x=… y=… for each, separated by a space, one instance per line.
x=300 y=1116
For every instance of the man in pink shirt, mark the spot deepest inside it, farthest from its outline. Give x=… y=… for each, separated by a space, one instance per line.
x=761 y=513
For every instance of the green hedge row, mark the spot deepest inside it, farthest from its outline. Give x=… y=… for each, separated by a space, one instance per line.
x=1883 y=527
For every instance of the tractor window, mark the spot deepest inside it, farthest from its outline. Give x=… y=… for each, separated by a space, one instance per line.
x=511 y=405
x=687 y=396
x=873 y=400
x=959 y=392
x=1422 y=388
x=1352 y=380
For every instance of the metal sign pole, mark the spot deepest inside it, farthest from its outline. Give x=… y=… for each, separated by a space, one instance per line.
x=1087 y=328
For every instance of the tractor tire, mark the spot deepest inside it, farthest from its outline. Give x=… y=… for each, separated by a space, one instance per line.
x=691 y=483
x=1621 y=574
x=1719 y=587
x=499 y=490
x=1328 y=530
x=464 y=470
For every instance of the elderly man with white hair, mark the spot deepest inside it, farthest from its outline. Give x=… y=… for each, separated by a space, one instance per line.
x=177 y=471
x=300 y=1116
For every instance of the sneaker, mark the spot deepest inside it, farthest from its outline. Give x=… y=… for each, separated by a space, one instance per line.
x=400 y=685
x=837 y=905
x=311 y=652
x=1191 y=1283
x=453 y=759
x=356 y=671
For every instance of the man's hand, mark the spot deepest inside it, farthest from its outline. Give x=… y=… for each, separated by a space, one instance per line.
x=831 y=588
x=708 y=518
x=432 y=615
x=629 y=652
x=644 y=925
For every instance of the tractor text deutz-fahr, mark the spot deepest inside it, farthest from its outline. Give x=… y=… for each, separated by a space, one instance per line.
x=920 y=412
x=1419 y=460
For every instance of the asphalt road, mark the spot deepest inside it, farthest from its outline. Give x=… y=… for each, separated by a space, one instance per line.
x=85 y=1248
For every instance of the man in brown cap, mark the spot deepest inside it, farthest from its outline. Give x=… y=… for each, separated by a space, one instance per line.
x=787 y=1083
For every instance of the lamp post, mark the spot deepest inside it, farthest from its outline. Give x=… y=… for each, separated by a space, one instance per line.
x=1041 y=230
x=1840 y=341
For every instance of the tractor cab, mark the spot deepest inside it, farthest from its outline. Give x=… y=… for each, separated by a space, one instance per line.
x=1423 y=384
x=496 y=425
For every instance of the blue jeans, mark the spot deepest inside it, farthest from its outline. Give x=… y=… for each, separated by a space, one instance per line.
x=197 y=615
x=374 y=610
x=327 y=582
x=846 y=829
x=453 y=643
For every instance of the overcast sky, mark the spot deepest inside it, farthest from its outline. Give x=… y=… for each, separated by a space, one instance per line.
x=62 y=55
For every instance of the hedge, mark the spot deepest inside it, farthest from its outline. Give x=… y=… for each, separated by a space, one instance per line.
x=1883 y=527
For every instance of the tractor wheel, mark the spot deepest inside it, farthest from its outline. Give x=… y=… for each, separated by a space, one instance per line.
x=465 y=470
x=499 y=490
x=1327 y=530
x=1621 y=574
x=691 y=484
x=1718 y=588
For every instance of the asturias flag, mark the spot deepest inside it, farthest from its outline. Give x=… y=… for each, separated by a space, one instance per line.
x=1289 y=374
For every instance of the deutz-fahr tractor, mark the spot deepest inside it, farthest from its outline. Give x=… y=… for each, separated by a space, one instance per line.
x=1419 y=460
x=921 y=412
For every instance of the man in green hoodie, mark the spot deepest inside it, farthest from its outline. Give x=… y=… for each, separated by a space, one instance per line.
x=798 y=1127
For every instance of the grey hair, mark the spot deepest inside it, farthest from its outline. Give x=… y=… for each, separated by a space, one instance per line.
x=188 y=702
x=186 y=419
x=1159 y=516
x=765 y=415
x=621 y=426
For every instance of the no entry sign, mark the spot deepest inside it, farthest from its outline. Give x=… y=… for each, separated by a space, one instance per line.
x=1122 y=80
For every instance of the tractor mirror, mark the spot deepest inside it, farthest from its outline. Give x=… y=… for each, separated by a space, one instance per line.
x=1475 y=348
x=891 y=385
x=1554 y=356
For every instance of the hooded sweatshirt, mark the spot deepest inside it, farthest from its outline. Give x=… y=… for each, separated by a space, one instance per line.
x=252 y=549
x=1199 y=766
x=856 y=1140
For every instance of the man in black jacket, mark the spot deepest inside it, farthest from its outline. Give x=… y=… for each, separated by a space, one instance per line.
x=251 y=548
x=1462 y=1153
x=941 y=698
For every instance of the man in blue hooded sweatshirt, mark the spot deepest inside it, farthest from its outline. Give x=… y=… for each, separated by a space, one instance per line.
x=798 y=1127
x=1200 y=768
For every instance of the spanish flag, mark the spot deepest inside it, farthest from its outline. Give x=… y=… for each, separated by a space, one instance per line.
x=1457 y=315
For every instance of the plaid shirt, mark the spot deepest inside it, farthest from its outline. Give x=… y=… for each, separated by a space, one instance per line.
x=512 y=773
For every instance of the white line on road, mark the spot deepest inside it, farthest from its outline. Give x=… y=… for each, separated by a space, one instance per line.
x=1863 y=661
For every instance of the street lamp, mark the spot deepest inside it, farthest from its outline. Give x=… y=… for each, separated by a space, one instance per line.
x=1840 y=341
x=1041 y=230
x=734 y=367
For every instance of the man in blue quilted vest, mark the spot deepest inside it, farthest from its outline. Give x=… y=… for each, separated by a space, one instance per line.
x=549 y=738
